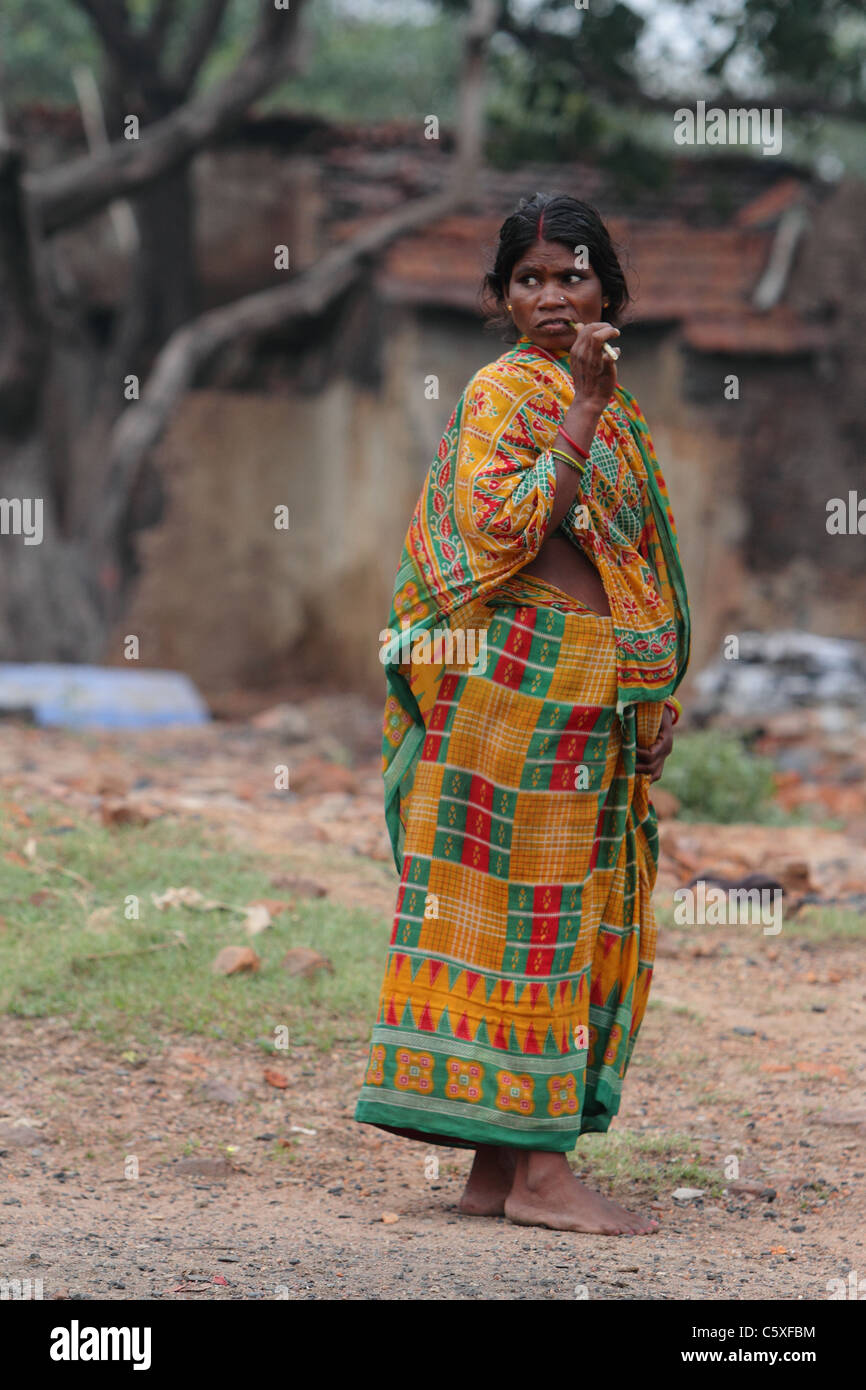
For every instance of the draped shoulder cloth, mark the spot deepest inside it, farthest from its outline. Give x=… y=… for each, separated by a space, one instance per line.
x=483 y=514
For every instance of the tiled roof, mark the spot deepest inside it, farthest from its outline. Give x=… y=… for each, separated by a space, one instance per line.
x=777 y=333
x=700 y=277
x=693 y=248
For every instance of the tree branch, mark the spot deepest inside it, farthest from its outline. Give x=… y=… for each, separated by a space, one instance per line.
x=74 y=191
x=141 y=427
x=200 y=42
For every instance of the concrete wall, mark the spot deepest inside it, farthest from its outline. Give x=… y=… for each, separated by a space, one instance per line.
x=226 y=597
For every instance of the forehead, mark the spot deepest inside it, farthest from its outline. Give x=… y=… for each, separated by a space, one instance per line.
x=551 y=255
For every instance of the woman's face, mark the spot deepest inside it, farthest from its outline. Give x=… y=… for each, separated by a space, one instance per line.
x=549 y=283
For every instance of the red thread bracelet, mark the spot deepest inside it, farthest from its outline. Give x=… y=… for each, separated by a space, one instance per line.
x=567 y=437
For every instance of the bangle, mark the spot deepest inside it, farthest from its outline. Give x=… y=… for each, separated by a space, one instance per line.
x=674 y=704
x=583 y=453
x=566 y=458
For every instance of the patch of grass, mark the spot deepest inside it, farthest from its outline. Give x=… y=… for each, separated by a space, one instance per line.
x=684 y=1010
x=134 y=997
x=825 y=924
x=812 y=923
x=716 y=778
x=661 y=1162
x=712 y=1097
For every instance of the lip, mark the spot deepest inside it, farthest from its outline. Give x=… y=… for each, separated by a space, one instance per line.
x=559 y=324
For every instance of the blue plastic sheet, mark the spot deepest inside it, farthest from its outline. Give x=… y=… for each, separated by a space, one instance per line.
x=100 y=697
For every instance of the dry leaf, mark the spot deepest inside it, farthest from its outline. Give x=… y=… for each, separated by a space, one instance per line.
x=186 y=897
x=273 y=905
x=276 y=1078
x=257 y=919
x=233 y=960
x=30 y=849
x=100 y=919
x=13 y=857
x=43 y=895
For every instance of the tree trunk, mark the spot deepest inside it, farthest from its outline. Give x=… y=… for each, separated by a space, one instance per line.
x=52 y=607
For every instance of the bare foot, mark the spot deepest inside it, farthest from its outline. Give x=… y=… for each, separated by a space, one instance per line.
x=546 y=1193
x=489 y=1182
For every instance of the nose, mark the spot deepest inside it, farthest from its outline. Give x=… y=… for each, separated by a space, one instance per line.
x=552 y=298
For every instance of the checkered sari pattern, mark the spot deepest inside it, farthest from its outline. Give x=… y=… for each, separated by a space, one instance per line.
x=483 y=514
x=523 y=940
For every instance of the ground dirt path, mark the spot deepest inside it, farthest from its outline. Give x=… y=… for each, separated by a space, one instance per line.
x=751 y=1050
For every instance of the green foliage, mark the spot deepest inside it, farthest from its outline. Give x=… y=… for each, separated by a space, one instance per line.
x=41 y=43
x=564 y=94
x=717 y=779
x=375 y=70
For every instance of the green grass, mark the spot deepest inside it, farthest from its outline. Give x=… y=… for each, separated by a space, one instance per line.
x=137 y=997
x=661 y=1161
x=825 y=924
x=811 y=924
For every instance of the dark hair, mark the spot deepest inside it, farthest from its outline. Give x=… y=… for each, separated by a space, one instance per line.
x=552 y=217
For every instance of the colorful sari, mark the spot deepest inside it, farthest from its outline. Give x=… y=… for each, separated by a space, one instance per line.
x=524 y=937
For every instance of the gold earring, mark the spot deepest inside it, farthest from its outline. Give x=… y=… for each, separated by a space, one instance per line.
x=508 y=306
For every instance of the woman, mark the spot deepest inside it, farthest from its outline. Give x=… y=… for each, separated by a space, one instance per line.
x=539 y=625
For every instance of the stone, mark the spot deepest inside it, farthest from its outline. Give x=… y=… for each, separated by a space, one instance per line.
x=744 y=1187
x=303 y=960
x=290 y=722
x=19 y=1135
x=221 y=1091
x=234 y=960
x=204 y=1167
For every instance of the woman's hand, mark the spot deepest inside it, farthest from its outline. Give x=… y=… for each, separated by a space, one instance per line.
x=593 y=371
x=650 y=761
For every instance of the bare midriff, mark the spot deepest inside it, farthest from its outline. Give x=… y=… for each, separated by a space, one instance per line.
x=560 y=563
